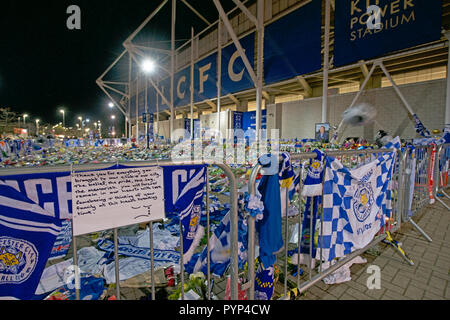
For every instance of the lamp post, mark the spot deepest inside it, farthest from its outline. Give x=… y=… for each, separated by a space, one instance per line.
x=148 y=67
x=64 y=117
x=113 y=133
x=100 y=129
x=37 y=126
x=25 y=122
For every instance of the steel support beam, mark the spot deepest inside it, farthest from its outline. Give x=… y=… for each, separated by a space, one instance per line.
x=306 y=87
x=447 y=101
x=236 y=42
x=172 y=71
x=196 y=12
x=247 y=12
x=326 y=62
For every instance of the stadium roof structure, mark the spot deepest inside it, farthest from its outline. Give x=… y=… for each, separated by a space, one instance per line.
x=169 y=30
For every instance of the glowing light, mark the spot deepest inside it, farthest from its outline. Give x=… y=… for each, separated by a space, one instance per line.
x=148 y=66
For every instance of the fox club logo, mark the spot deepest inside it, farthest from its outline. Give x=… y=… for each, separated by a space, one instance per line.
x=363 y=201
x=18 y=259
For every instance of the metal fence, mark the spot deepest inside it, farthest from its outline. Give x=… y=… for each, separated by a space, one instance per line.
x=419 y=176
x=314 y=274
x=411 y=186
x=442 y=171
x=233 y=200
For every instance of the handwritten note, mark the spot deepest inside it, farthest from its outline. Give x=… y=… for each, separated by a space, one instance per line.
x=103 y=200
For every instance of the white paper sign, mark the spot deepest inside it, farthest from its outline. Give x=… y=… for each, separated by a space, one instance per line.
x=111 y=199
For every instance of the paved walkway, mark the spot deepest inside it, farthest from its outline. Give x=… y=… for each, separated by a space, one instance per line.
x=428 y=279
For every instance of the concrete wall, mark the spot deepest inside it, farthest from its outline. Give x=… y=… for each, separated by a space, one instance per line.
x=427 y=99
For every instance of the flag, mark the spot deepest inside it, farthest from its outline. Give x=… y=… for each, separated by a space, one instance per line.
x=189 y=209
x=27 y=235
x=354 y=205
x=420 y=128
x=220 y=248
x=313 y=181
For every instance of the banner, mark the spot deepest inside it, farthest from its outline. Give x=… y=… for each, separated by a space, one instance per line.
x=249 y=120
x=27 y=235
x=355 y=203
x=235 y=76
x=205 y=78
x=175 y=179
x=187 y=127
x=182 y=84
x=292 y=44
x=188 y=207
x=50 y=191
x=363 y=31
x=53 y=191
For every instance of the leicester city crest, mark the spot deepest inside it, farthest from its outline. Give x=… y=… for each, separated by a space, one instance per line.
x=18 y=258
x=315 y=169
x=363 y=201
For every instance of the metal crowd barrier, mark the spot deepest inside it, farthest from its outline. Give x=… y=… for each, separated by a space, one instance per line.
x=419 y=179
x=442 y=172
x=233 y=269
x=314 y=275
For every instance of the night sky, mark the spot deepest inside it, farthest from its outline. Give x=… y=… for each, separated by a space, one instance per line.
x=44 y=65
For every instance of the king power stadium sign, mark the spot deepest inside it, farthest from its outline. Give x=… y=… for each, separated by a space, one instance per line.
x=367 y=29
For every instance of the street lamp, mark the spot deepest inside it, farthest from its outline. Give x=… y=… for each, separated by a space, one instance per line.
x=99 y=128
x=24 y=121
x=148 y=67
x=113 y=133
x=111 y=105
x=64 y=117
x=37 y=126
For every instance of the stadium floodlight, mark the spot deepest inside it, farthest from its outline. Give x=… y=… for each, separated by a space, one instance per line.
x=148 y=66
